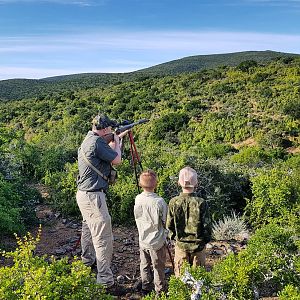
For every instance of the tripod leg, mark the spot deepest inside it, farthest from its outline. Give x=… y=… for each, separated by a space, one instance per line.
x=135 y=150
x=133 y=158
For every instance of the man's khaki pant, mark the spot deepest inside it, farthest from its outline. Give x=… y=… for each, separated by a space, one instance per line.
x=158 y=260
x=96 y=236
x=193 y=258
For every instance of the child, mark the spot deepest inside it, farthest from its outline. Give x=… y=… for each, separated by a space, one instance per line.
x=150 y=212
x=188 y=222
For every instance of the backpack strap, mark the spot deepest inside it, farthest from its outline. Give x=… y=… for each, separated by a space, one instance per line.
x=92 y=166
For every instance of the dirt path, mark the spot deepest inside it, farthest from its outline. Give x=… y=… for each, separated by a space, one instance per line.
x=61 y=237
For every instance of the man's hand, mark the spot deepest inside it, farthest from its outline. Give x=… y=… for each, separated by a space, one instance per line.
x=122 y=134
x=115 y=143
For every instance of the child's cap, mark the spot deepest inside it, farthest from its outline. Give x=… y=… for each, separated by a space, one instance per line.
x=188 y=177
x=148 y=179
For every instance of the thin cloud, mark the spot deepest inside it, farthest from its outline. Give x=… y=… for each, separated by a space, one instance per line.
x=37 y=73
x=64 y=2
x=281 y=3
x=114 y=52
x=155 y=41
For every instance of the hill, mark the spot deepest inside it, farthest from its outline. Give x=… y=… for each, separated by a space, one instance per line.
x=15 y=89
x=237 y=126
x=200 y=62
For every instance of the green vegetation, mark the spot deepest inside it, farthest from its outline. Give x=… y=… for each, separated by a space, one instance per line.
x=15 y=89
x=238 y=126
x=33 y=277
x=270 y=258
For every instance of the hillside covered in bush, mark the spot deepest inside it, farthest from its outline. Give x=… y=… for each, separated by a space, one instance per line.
x=238 y=126
x=15 y=89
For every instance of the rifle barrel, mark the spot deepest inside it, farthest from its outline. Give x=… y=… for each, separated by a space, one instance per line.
x=129 y=126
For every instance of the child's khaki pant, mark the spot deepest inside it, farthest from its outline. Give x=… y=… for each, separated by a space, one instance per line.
x=158 y=259
x=193 y=258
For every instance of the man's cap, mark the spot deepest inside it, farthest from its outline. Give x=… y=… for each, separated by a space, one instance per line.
x=188 y=178
x=148 y=179
x=102 y=121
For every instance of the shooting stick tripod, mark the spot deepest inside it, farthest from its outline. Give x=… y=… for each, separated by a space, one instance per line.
x=135 y=158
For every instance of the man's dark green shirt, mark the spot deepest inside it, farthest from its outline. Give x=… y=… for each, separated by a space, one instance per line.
x=189 y=222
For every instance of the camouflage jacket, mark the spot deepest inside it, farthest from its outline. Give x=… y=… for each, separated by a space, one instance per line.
x=189 y=222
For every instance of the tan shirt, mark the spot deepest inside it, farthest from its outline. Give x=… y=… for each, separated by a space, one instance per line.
x=150 y=212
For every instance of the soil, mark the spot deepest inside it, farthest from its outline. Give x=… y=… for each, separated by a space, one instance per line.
x=61 y=237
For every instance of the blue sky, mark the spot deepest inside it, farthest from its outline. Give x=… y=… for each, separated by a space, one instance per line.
x=42 y=38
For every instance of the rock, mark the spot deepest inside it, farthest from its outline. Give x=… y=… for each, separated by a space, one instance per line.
x=120 y=279
x=127 y=242
x=244 y=236
x=218 y=252
x=68 y=248
x=209 y=246
x=60 y=251
x=73 y=239
x=72 y=225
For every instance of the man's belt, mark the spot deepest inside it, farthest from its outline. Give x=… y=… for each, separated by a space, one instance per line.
x=94 y=191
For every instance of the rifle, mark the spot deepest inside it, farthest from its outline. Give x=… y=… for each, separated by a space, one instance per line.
x=119 y=128
x=122 y=127
x=125 y=125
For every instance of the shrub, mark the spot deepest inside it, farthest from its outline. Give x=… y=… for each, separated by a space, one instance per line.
x=10 y=208
x=290 y=292
x=276 y=197
x=32 y=277
x=246 y=65
x=178 y=290
x=230 y=228
x=63 y=185
x=251 y=156
x=270 y=257
x=17 y=203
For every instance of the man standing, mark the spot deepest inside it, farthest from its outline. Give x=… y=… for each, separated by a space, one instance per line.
x=188 y=222
x=96 y=237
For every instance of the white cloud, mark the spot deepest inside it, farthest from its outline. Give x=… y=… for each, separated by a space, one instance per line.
x=197 y=42
x=37 y=73
x=44 y=56
x=285 y=3
x=65 y=2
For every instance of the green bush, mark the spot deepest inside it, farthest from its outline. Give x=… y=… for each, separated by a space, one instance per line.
x=290 y=292
x=178 y=290
x=33 y=277
x=270 y=257
x=17 y=203
x=276 y=198
x=63 y=189
x=251 y=156
x=10 y=209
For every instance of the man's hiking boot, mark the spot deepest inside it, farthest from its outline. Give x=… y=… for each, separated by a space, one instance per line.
x=145 y=292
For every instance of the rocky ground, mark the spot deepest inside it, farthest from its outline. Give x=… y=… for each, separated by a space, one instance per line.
x=61 y=237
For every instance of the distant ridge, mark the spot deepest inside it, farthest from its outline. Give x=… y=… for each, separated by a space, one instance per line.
x=200 y=62
x=15 y=89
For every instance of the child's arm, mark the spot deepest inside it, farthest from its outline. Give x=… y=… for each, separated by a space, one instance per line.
x=170 y=225
x=206 y=221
